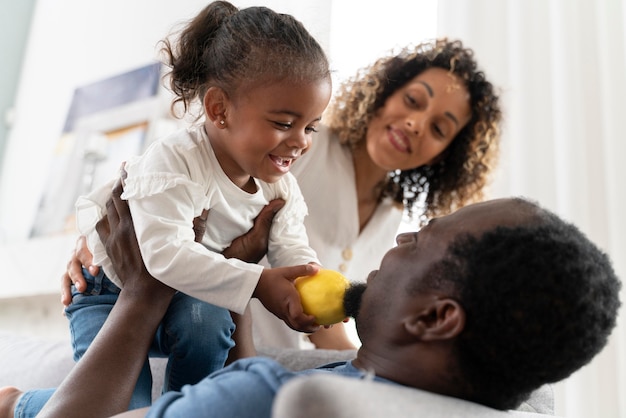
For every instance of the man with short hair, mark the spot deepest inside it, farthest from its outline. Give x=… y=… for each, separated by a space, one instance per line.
x=486 y=304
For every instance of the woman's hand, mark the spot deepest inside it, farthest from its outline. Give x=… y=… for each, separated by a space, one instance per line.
x=74 y=273
x=332 y=338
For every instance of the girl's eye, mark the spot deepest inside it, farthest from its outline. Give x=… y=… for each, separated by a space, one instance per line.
x=310 y=129
x=282 y=125
x=439 y=131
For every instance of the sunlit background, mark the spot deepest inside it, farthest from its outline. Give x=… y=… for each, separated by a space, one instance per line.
x=561 y=66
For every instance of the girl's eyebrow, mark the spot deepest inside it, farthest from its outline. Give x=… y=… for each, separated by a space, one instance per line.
x=286 y=112
x=292 y=113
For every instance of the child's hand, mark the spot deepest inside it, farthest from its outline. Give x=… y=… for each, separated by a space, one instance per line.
x=278 y=294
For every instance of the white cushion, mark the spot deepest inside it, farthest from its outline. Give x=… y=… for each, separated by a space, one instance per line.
x=337 y=396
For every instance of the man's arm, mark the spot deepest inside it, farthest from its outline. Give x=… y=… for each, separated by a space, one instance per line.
x=109 y=370
x=245 y=389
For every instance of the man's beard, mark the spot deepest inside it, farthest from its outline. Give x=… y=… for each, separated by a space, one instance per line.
x=352 y=299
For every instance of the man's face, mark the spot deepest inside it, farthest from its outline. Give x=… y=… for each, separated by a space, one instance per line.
x=386 y=301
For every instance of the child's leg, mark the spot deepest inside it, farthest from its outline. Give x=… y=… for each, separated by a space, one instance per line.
x=196 y=336
x=87 y=314
x=29 y=403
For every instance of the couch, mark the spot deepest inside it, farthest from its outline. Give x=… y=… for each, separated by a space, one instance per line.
x=30 y=362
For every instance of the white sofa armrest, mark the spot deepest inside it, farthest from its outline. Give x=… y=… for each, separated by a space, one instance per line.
x=327 y=395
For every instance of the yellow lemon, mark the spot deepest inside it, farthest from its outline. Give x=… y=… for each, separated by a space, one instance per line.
x=322 y=295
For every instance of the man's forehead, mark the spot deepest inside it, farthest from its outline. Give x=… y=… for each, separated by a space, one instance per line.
x=483 y=216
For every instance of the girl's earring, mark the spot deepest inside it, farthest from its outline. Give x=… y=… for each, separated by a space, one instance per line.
x=222 y=122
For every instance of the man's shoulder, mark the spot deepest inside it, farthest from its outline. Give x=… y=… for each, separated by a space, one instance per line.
x=263 y=366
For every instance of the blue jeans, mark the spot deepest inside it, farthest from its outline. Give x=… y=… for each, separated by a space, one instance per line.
x=195 y=336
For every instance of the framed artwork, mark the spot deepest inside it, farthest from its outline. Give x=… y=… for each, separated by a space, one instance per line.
x=108 y=121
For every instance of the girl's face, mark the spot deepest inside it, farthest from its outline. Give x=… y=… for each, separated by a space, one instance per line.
x=268 y=128
x=418 y=121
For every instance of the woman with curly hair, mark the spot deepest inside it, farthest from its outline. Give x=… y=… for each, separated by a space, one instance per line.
x=414 y=134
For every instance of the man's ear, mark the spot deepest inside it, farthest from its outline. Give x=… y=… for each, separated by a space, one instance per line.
x=443 y=319
x=215 y=104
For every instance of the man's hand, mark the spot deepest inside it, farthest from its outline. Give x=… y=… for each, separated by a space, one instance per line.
x=199 y=225
x=252 y=246
x=117 y=232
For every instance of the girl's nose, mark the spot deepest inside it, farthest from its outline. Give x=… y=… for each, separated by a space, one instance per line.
x=299 y=140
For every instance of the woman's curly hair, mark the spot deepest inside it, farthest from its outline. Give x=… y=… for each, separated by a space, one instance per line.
x=461 y=175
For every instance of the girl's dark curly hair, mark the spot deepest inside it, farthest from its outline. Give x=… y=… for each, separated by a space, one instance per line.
x=460 y=177
x=234 y=49
x=540 y=300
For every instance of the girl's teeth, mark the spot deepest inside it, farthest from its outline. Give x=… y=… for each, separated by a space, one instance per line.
x=282 y=161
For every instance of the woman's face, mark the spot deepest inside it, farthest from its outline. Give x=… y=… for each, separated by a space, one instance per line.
x=418 y=121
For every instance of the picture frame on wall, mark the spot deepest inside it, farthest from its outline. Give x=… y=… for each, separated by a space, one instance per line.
x=108 y=122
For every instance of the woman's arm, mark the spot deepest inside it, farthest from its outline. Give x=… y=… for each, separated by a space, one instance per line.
x=333 y=338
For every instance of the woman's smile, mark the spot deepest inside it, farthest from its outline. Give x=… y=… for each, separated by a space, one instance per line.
x=399 y=140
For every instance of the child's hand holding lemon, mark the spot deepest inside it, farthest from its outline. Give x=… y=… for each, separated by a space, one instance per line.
x=322 y=295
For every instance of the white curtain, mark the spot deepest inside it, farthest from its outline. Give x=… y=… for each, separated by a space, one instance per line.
x=561 y=66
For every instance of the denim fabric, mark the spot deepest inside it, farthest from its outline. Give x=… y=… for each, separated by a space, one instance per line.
x=31 y=402
x=245 y=389
x=195 y=336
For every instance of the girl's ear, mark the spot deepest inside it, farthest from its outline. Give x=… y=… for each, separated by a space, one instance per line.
x=443 y=319
x=215 y=105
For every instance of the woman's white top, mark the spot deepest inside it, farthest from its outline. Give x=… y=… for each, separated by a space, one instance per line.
x=327 y=181
x=170 y=184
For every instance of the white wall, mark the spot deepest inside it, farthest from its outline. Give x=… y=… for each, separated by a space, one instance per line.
x=73 y=43
x=562 y=67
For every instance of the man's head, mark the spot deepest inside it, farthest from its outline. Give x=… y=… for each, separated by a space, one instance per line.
x=488 y=304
